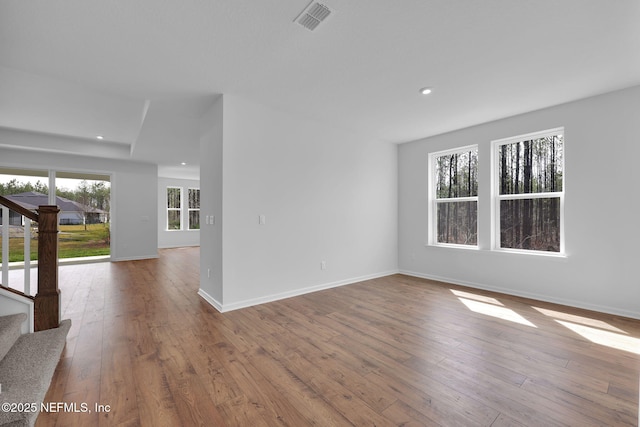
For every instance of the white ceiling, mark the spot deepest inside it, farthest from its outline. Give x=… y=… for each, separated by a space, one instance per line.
x=141 y=72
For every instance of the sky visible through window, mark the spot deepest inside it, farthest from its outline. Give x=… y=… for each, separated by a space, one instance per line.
x=66 y=183
x=84 y=218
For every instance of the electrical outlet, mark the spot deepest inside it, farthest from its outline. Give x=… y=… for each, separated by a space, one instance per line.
x=323 y=265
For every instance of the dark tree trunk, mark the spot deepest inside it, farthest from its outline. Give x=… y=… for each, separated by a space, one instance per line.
x=527 y=220
x=517 y=229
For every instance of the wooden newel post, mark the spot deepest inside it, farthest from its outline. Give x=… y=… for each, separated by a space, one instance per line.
x=47 y=300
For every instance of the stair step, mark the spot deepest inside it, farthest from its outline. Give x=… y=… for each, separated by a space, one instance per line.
x=26 y=372
x=10 y=331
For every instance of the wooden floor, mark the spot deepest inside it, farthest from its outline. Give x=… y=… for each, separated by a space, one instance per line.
x=393 y=351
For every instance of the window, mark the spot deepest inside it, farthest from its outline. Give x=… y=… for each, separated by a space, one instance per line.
x=454 y=197
x=174 y=210
x=529 y=192
x=194 y=208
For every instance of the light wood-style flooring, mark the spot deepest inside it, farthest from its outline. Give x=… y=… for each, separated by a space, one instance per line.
x=395 y=351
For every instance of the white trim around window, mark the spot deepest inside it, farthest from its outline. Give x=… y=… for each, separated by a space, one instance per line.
x=452 y=193
x=529 y=186
x=174 y=222
x=193 y=208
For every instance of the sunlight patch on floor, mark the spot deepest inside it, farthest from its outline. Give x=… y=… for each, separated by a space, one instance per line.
x=606 y=338
x=499 y=312
x=469 y=295
x=579 y=319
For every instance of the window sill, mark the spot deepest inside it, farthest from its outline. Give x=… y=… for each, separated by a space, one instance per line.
x=531 y=253
x=451 y=246
x=504 y=252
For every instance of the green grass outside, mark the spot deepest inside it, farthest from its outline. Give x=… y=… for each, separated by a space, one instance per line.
x=73 y=242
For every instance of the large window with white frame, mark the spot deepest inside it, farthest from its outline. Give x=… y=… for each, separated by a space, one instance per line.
x=174 y=208
x=453 y=195
x=529 y=192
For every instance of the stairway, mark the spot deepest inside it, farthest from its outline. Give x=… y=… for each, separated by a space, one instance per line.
x=46 y=303
x=27 y=364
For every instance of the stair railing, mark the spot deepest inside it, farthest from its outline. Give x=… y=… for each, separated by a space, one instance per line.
x=47 y=299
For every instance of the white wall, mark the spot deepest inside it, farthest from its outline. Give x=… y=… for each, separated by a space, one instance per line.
x=601 y=210
x=134 y=187
x=175 y=238
x=326 y=194
x=211 y=170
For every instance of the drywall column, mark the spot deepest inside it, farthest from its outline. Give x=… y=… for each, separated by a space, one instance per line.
x=211 y=221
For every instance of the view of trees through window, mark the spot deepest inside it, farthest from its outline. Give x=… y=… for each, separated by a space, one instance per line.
x=194 y=209
x=528 y=195
x=174 y=209
x=84 y=202
x=456 y=196
x=530 y=181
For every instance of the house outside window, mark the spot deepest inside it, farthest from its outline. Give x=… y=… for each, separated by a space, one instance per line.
x=194 y=208
x=174 y=209
x=529 y=192
x=453 y=195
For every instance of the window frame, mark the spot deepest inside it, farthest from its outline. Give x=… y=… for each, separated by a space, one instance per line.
x=190 y=209
x=169 y=209
x=497 y=198
x=433 y=201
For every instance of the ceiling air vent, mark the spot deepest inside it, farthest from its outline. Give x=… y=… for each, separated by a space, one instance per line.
x=313 y=15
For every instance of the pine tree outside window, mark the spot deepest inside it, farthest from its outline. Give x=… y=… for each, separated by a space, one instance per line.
x=174 y=209
x=453 y=195
x=529 y=192
x=194 y=208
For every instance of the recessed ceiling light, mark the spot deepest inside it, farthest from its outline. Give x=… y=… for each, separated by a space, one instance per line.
x=425 y=90
x=99 y=137
x=183 y=163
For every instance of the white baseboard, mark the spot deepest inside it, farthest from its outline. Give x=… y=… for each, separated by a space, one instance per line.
x=185 y=245
x=530 y=295
x=211 y=300
x=296 y=292
x=135 y=258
